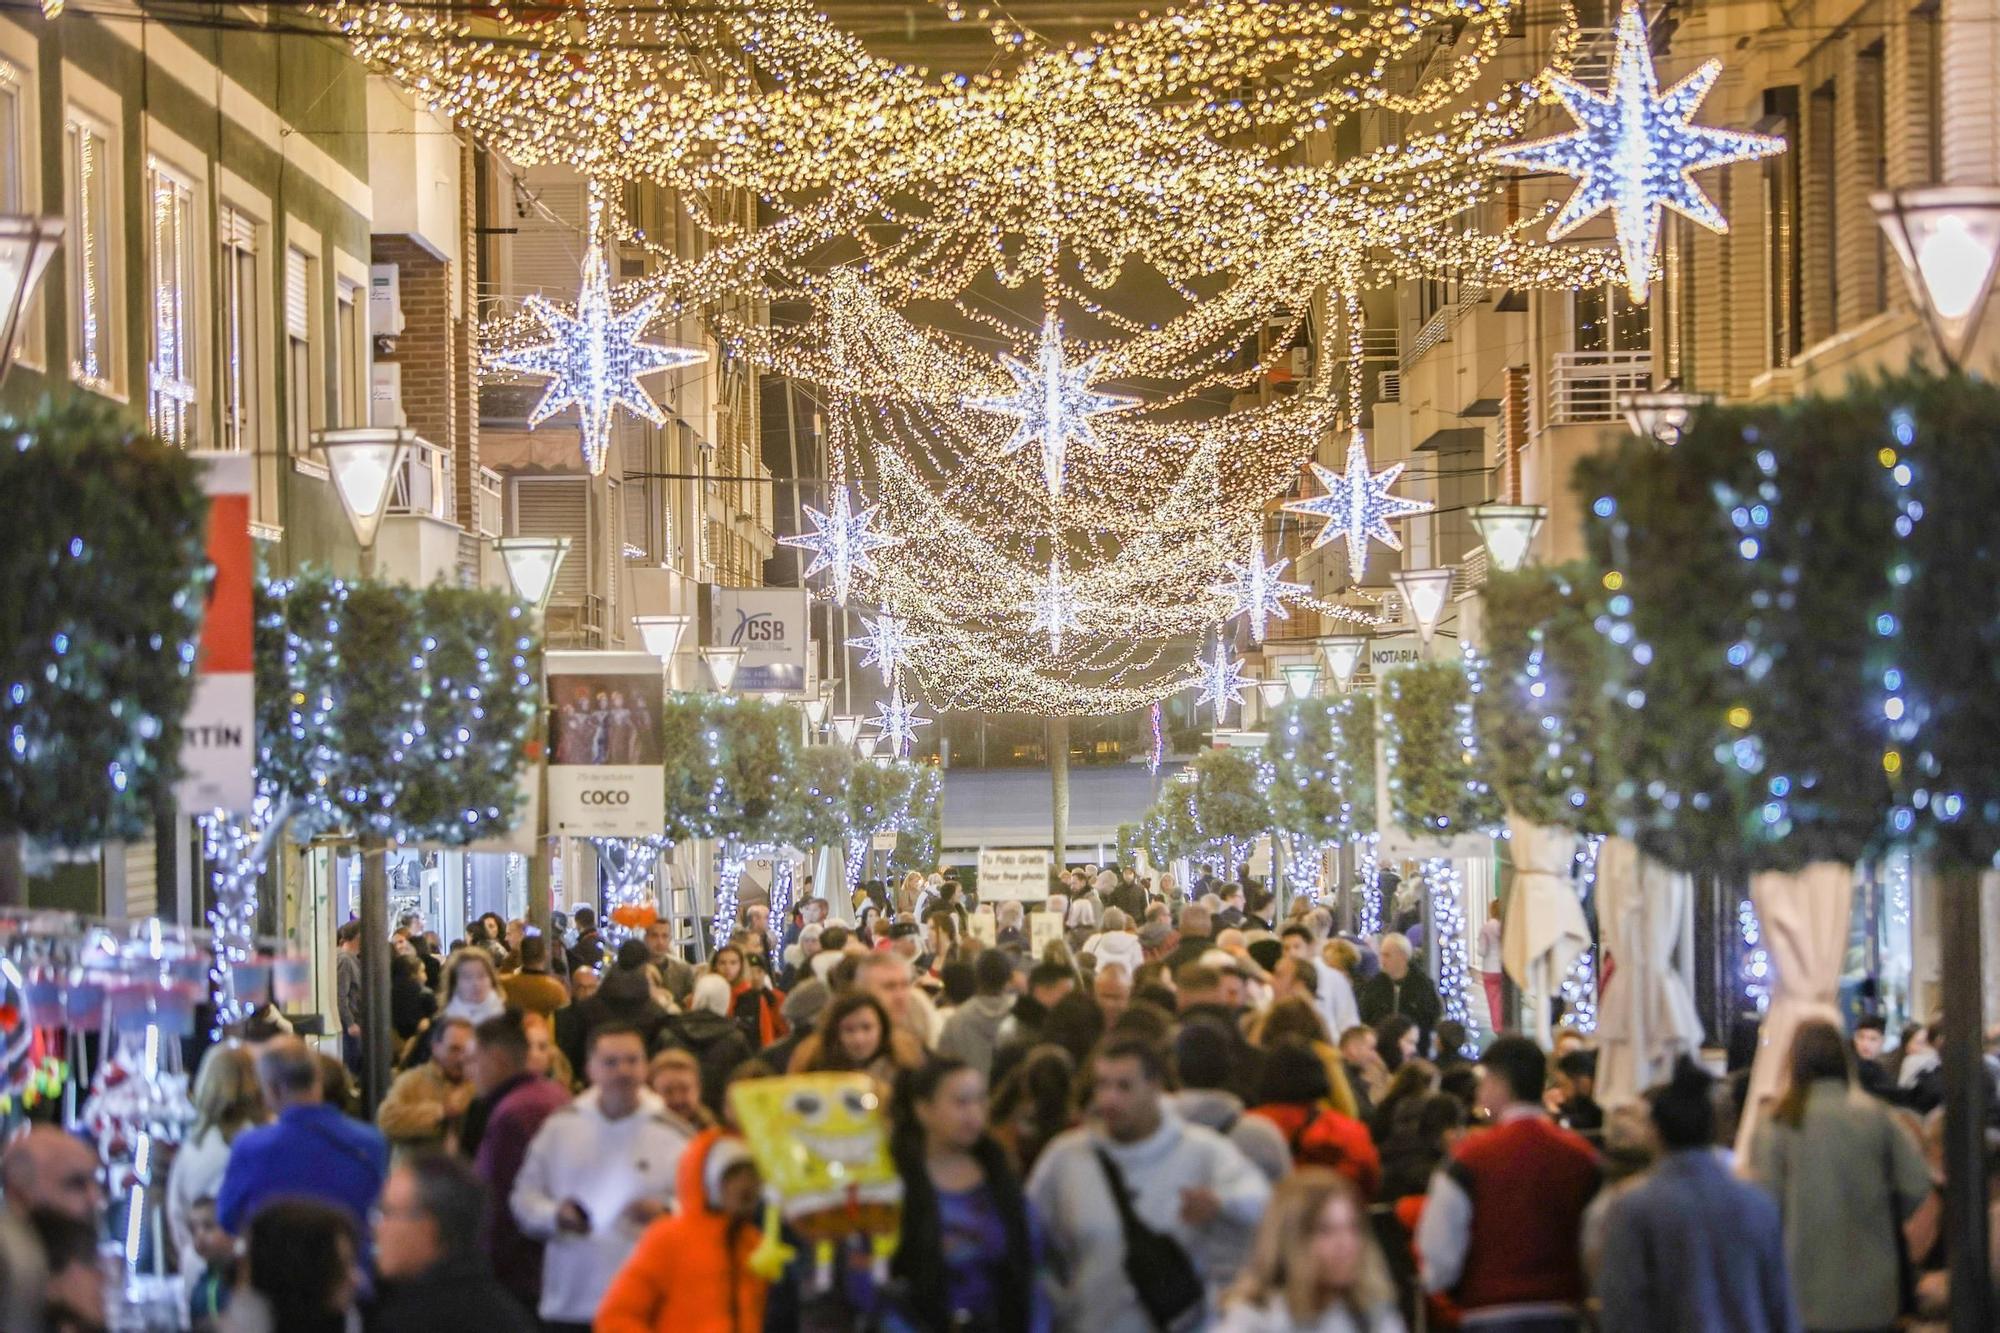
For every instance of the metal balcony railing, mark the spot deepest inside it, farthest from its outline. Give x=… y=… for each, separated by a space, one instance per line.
x=487 y=503
x=1592 y=386
x=427 y=483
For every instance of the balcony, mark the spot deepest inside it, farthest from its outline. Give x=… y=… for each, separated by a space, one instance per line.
x=426 y=484
x=1590 y=387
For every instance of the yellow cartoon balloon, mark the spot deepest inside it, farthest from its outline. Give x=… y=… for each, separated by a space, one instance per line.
x=821 y=1142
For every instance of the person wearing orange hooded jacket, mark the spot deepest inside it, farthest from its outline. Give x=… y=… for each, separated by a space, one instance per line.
x=691 y=1270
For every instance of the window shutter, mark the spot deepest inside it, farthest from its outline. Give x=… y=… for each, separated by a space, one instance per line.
x=235 y=231
x=545 y=252
x=558 y=507
x=298 y=321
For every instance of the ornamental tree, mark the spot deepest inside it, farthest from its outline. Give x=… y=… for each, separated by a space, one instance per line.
x=1321 y=755
x=730 y=762
x=103 y=563
x=1226 y=799
x=1440 y=780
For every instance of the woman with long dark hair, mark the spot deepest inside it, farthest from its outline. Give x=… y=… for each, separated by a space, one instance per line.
x=300 y=1272
x=1034 y=1103
x=969 y=1250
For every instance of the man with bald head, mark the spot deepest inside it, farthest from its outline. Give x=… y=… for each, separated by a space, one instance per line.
x=47 y=1169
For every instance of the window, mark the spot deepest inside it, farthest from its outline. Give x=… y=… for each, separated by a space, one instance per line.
x=350 y=350
x=92 y=173
x=1607 y=321
x=241 y=404
x=302 y=384
x=17 y=175
x=174 y=287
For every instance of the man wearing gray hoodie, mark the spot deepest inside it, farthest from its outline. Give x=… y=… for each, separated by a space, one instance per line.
x=972 y=1031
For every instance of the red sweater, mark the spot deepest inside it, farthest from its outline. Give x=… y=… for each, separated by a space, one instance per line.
x=1321 y=1136
x=1529 y=1181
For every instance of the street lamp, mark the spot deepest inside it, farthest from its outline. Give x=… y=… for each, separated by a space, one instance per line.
x=816 y=708
x=364 y=462
x=1507 y=531
x=1424 y=592
x=722 y=664
x=662 y=635
x=1300 y=678
x=1273 y=692
x=1662 y=414
x=867 y=745
x=532 y=564
x=1948 y=237
x=1343 y=657
x=848 y=727
x=27 y=244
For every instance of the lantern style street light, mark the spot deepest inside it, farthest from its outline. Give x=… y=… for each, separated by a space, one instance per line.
x=532 y=564
x=1948 y=238
x=867 y=744
x=1273 y=692
x=1662 y=414
x=1508 y=531
x=848 y=727
x=364 y=463
x=1343 y=657
x=1301 y=678
x=27 y=244
x=1425 y=592
x=662 y=635
x=722 y=664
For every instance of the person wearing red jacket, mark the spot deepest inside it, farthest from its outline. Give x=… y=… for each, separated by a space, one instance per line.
x=1294 y=1093
x=690 y=1272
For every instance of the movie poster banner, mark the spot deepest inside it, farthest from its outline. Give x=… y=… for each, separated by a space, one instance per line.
x=607 y=774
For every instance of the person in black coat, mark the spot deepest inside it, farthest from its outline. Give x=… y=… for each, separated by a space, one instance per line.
x=624 y=998
x=435 y=1278
x=1401 y=988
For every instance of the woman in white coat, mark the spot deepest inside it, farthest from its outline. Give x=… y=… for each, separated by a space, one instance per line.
x=1313 y=1267
x=227 y=1101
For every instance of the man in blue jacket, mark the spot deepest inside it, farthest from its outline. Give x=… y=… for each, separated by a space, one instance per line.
x=310 y=1151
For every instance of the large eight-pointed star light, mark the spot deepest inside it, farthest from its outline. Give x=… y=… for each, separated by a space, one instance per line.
x=896 y=721
x=1635 y=151
x=842 y=542
x=1055 y=607
x=1257 y=591
x=594 y=359
x=1053 y=402
x=1221 y=681
x=887 y=643
x=1357 y=505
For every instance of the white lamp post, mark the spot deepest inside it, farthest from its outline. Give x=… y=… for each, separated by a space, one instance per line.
x=532 y=564
x=1425 y=592
x=1273 y=692
x=722 y=664
x=1301 y=678
x=1508 y=531
x=1662 y=414
x=867 y=745
x=26 y=245
x=1343 y=657
x=1948 y=237
x=848 y=727
x=816 y=710
x=364 y=463
x=662 y=635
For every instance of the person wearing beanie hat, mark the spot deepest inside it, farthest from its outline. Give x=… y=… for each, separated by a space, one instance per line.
x=1692 y=1246
x=690 y=1272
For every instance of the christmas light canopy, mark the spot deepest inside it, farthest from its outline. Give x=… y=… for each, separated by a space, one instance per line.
x=364 y=463
x=1635 y=151
x=532 y=564
x=1507 y=531
x=1425 y=592
x=896 y=722
x=1222 y=681
x=842 y=542
x=1257 y=591
x=1357 y=505
x=593 y=359
x=1342 y=653
x=1948 y=239
x=1053 y=402
x=887 y=644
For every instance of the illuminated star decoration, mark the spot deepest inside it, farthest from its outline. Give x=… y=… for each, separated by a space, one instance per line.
x=1221 y=681
x=897 y=722
x=888 y=643
x=841 y=543
x=1635 y=151
x=1054 y=403
x=1055 y=607
x=1358 y=505
x=594 y=359
x=1257 y=591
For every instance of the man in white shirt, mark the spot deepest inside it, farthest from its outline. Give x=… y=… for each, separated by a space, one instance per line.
x=1333 y=992
x=598 y=1172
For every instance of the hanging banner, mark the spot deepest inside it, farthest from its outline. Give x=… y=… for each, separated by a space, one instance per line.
x=771 y=626
x=607 y=775
x=1021 y=875
x=218 y=745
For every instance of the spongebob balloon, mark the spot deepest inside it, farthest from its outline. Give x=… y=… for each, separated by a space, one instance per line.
x=822 y=1145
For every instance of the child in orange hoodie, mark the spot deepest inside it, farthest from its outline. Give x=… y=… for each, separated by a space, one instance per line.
x=690 y=1272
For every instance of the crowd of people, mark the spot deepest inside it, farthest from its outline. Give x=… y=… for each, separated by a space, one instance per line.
x=1184 y=1113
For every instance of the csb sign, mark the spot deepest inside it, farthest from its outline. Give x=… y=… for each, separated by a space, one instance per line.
x=771 y=626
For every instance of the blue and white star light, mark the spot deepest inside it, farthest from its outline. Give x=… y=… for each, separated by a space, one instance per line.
x=594 y=359
x=887 y=644
x=841 y=542
x=1221 y=681
x=1635 y=151
x=1055 y=607
x=1257 y=591
x=1357 y=505
x=1053 y=402
x=896 y=721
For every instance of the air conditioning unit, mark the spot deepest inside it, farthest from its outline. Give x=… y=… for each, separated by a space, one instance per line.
x=1389 y=386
